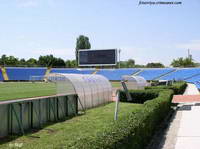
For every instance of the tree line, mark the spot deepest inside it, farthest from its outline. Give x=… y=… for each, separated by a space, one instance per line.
x=42 y=61
x=51 y=61
x=82 y=42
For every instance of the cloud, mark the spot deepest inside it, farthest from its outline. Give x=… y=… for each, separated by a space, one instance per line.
x=27 y=3
x=192 y=45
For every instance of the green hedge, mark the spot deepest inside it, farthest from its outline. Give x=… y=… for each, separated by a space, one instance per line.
x=178 y=87
x=135 y=130
x=138 y=96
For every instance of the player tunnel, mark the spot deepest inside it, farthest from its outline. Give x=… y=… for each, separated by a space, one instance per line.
x=134 y=82
x=92 y=90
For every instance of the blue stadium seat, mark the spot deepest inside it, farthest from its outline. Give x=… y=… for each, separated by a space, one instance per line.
x=153 y=73
x=1 y=75
x=193 y=79
x=63 y=70
x=182 y=74
x=116 y=74
x=68 y=70
x=197 y=84
x=86 y=71
x=24 y=74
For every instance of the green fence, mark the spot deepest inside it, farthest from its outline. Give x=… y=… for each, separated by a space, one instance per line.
x=18 y=116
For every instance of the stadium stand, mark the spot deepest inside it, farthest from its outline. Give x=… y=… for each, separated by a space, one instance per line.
x=24 y=74
x=67 y=70
x=182 y=74
x=86 y=71
x=1 y=75
x=153 y=73
x=197 y=84
x=116 y=74
x=63 y=70
x=195 y=78
x=191 y=75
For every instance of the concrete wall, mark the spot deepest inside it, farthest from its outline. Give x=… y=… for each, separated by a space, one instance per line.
x=18 y=116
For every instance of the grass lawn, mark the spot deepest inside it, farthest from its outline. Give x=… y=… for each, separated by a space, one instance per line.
x=17 y=90
x=65 y=134
x=26 y=89
x=116 y=84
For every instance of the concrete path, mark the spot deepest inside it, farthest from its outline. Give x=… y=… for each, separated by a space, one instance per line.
x=188 y=136
x=191 y=90
x=184 y=129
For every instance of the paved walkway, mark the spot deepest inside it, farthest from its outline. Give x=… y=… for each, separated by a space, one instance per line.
x=184 y=129
x=191 y=90
x=188 y=136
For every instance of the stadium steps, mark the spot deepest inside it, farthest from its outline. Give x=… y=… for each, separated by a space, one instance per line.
x=158 y=78
x=47 y=71
x=137 y=72
x=5 y=76
x=95 y=71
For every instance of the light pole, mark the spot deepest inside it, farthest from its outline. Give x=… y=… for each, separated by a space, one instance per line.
x=119 y=57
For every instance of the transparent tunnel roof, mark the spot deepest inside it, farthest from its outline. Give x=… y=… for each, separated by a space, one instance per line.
x=134 y=82
x=92 y=89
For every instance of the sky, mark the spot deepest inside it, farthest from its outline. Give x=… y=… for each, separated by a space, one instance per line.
x=145 y=33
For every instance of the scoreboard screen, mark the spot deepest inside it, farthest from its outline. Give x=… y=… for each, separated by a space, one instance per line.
x=97 y=57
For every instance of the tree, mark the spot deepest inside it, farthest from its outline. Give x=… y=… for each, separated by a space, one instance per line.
x=73 y=64
x=51 y=61
x=8 y=60
x=82 y=42
x=32 y=62
x=130 y=63
x=22 y=62
x=58 y=62
x=47 y=60
x=155 y=65
x=183 y=62
x=3 y=60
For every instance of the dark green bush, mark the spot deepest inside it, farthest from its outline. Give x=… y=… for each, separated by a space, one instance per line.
x=178 y=87
x=135 y=130
x=138 y=96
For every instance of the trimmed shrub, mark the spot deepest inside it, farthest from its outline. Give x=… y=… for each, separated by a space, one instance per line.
x=138 y=96
x=178 y=87
x=135 y=130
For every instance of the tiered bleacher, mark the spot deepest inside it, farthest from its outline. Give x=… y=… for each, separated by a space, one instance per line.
x=154 y=73
x=24 y=74
x=116 y=74
x=1 y=75
x=193 y=79
x=191 y=75
x=86 y=71
x=182 y=74
x=197 y=84
x=68 y=70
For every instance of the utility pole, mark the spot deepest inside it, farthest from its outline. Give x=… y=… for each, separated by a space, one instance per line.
x=119 y=57
x=189 y=55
